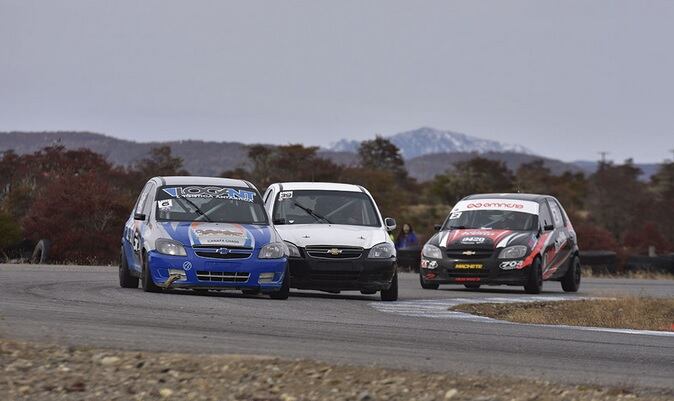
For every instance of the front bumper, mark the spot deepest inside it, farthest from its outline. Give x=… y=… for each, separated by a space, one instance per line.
x=360 y=274
x=466 y=271
x=212 y=273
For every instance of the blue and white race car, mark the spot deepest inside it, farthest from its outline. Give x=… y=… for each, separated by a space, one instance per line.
x=202 y=233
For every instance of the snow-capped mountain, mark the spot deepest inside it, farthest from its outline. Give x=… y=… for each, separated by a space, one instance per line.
x=427 y=140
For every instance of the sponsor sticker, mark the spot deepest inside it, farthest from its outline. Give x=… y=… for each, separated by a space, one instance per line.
x=285 y=195
x=468 y=266
x=510 y=264
x=473 y=240
x=165 y=204
x=223 y=234
x=497 y=204
x=454 y=215
x=466 y=279
x=210 y=192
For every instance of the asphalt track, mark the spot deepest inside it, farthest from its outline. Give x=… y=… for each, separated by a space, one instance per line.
x=85 y=306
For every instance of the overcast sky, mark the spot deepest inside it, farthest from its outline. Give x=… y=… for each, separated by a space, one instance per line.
x=564 y=78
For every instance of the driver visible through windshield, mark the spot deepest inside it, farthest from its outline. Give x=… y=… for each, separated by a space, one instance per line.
x=325 y=207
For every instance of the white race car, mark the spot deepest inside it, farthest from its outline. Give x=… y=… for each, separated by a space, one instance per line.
x=336 y=236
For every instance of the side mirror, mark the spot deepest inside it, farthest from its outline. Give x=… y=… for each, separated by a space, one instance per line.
x=390 y=223
x=139 y=216
x=437 y=227
x=548 y=227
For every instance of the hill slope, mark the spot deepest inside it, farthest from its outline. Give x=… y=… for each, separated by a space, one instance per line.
x=426 y=167
x=199 y=157
x=212 y=158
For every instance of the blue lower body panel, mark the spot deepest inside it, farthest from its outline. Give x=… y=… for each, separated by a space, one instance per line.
x=213 y=273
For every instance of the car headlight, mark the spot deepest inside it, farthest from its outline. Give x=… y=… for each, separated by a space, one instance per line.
x=293 y=251
x=513 y=252
x=382 y=251
x=431 y=251
x=273 y=250
x=169 y=247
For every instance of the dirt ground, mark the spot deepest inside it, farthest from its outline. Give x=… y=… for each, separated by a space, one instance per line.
x=640 y=313
x=48 y=372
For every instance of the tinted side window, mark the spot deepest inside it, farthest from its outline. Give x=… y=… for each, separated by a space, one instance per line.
x=556 y=213
x=147 y=205
x=544 y=215
x=265 y=198
x=141 y=198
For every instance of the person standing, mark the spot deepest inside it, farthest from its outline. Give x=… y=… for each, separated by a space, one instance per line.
x=407 y=239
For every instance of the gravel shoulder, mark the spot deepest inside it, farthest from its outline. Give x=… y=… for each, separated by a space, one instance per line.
x=32 y=371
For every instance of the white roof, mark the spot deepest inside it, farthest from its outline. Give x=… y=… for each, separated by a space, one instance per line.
x=194 y=180
x=319 y=186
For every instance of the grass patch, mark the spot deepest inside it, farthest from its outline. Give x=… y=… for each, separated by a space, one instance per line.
x=638 y=274
x=640 y=313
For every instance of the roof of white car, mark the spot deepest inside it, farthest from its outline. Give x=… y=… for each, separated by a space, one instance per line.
x=319 y=186
x=192 y=180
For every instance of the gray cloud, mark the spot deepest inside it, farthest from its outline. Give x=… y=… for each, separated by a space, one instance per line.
x=566 y=79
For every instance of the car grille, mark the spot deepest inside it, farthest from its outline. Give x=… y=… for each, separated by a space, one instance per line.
x=334 y=275
x=235 y=277
x=334 y=252
x=221 y=252
x=469 y=253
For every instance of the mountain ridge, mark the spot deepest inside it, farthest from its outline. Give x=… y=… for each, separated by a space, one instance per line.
x=427 y=140
x=211 y=158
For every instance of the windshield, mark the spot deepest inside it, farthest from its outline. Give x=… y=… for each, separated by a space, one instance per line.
x=494 y=219
x=209 y=203
x=325 y=207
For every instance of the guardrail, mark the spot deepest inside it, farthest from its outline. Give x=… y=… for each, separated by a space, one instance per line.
x=607 y=262
x=409 y=258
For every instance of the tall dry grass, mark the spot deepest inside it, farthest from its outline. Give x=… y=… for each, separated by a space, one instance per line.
x=636 y=312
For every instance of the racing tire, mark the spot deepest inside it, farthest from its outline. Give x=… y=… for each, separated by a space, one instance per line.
x=391 y=294
x=146 y=278
x=283 y=292
x=571 y=279
x=472 y=286
x=40 y=252
x=426 y=285
x=126 y=280
x=534 y=283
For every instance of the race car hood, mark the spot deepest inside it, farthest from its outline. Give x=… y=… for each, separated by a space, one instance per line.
x=483 y=238
x=331 y=234
x=218 y=234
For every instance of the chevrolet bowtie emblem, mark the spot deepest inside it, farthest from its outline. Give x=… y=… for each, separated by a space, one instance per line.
x=469 y=252
x=334 y=251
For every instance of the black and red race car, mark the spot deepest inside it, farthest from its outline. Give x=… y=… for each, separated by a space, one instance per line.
x=503 y=239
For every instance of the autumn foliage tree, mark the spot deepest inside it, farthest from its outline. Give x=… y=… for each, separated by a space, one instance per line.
x=617 y=199
x=267 y=165
x=570 y=188
x=82 y=215
x=160 y=162
x=75 y=198
x=477 y=175
x=382 y=155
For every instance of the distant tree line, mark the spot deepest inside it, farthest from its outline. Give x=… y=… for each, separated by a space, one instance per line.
x=80 y=201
